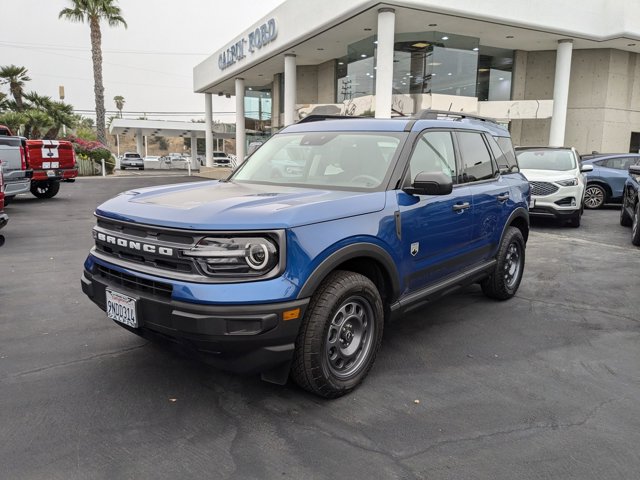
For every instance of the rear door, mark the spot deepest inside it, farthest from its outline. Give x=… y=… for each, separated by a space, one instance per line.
x=435 y=229
x=491 y=194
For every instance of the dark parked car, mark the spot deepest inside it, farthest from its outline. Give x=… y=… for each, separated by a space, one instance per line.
x=630 y=211
x=605 y=183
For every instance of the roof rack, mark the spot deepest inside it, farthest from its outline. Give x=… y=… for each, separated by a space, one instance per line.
x=429 y=114
x=319 y=118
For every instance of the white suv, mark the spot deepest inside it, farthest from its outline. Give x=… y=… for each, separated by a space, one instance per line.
x=557 y=182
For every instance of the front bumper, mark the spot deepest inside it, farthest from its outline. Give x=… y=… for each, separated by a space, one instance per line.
x=239 y=338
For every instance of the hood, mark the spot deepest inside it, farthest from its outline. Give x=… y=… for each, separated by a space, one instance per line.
x=228 y=205
x=548 y=175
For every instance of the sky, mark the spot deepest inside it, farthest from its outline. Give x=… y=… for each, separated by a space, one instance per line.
x=150 y=63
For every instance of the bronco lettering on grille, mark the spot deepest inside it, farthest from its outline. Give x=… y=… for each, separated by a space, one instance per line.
x=133 y=245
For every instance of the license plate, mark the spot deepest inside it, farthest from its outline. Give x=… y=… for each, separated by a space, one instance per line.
x=532 y=203
x=51 y=173
x=121 y=308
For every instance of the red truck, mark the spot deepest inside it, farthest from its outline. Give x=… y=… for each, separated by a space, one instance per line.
x=52 y=161
x=3 y=216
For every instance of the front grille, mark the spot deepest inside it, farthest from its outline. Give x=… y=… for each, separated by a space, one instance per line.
x=153 y=236
x=114 y=277
x=541 y=189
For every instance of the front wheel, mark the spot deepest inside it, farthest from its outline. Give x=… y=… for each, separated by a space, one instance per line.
x=505 y=279
x=635 y=226
x=48 y=189
x=594 y=197
x=340 y=335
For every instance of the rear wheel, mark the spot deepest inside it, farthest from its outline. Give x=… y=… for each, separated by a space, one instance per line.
x=340 y=335
x=635 y=226
x=507 y=274
x=47 y=189
x=594 y=196
x=8 y=200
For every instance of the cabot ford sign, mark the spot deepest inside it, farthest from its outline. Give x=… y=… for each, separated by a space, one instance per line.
x=257 y=39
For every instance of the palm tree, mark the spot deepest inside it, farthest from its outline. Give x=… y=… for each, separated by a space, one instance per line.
x=93 y=12
x=15 y=77
x=119 y=99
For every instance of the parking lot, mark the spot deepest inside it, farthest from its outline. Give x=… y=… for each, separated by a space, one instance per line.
x=546 y=385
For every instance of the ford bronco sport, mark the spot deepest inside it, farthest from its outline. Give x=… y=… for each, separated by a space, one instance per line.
x=295 y=275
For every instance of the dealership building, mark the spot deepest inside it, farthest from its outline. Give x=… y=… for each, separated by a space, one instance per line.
x=556 y=72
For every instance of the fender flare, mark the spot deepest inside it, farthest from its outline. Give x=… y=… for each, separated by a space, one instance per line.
x=519 y=212
x=354 y=250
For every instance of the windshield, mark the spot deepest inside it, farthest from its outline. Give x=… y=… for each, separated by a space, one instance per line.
x=341 y=160
x=546 y=159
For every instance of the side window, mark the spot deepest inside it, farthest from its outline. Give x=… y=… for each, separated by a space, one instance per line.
x=509 y=154
x=476 y=160
x=433 y=153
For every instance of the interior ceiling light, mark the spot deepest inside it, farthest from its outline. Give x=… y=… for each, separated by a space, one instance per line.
x=375 y=42
x=420 y=45
x=364 y=55
x=475 y=49
x=483 y=69
x=340 y=63
x=449 y=73
x=445 y=38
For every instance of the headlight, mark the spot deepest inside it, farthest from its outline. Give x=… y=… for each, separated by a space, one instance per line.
x=572 y=182
x=235 y=256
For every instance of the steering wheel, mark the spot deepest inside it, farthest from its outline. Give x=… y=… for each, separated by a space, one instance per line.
x=364 y=178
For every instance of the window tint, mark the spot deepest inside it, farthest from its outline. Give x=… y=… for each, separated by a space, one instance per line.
x=476 y=160
x=433 y=153
x=619 y=163
x=509 y=154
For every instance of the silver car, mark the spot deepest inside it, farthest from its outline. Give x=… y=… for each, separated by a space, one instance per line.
x=131 y=160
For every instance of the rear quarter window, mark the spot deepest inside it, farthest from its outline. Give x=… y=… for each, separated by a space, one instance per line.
x=508 y=163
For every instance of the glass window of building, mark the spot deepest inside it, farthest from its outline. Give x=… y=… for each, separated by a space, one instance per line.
x=495 y=66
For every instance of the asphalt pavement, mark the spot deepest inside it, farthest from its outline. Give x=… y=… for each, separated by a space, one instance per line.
x=544 y=386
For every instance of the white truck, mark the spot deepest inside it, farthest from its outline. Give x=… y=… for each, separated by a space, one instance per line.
x=15 y=166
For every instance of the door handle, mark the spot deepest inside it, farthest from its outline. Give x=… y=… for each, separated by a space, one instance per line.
x=503 y=198
x=458 y=207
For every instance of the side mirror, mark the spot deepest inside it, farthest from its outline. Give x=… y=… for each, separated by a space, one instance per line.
x=586 y=168
x=634 y=169
x=431 y=183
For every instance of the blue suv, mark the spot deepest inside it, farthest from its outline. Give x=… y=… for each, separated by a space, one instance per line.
x=296 y=275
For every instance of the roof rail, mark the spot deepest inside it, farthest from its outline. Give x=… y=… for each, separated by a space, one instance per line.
x=429 y=114
x=319 y=118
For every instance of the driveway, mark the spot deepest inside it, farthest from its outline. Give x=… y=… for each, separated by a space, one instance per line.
x=546 y=385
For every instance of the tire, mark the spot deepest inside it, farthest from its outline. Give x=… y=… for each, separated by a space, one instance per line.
x=141 y=168
x=635 y=226
x=505 y=279
x=8 y=200
x=625 y=219
x=340 y=335
x=595 y=196
x=122 y=168
x=575 y=221
x=47 y=189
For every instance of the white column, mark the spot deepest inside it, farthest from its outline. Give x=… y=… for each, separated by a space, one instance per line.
x=241 y=134
x=146 y=146
x=208 y=121
x=384 y=62
x=289 y=89
x=561 y=93
x=139 y=143
x=194 y=152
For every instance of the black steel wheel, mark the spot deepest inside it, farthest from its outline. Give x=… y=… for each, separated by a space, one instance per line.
x=503 y=283
x=340 y=335
x=46 y=189
x=594 y=196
